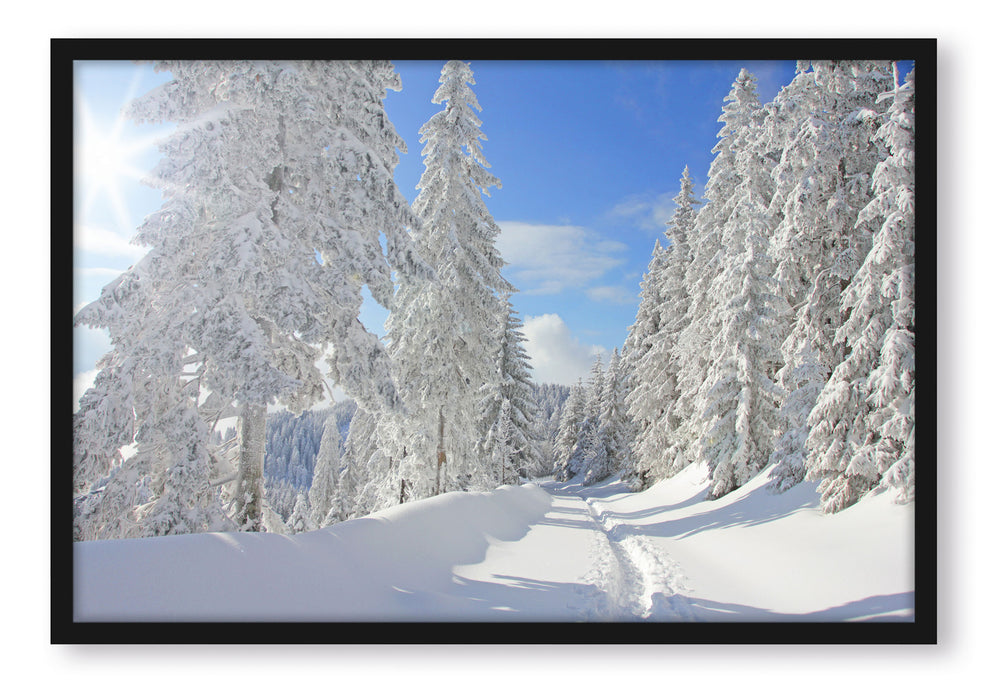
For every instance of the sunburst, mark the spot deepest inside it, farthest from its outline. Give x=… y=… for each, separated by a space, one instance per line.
x=105 y=162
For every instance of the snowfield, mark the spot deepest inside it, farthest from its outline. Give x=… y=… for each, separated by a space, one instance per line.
x=547 y=552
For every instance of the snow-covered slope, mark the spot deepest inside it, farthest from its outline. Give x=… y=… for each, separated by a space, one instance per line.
x=756 y=556
x=393 y=565
x=548 y=552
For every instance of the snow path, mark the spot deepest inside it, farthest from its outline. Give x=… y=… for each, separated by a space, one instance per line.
x=591 y=568
x=652 y=583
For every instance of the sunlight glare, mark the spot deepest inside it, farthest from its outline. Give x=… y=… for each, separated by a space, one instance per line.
x=105 y=164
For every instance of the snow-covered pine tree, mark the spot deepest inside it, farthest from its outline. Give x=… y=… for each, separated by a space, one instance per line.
x=588 y=457
x=743 y=400
x=502 y=445
x=614 y=425
x=742 y=405
x=442 y=334
x=862 y=427
x=299 y=520
x=507 y=404
x=277 y=185
x=822 y=125
x=643 y=330
x=326 y=474
x=696 y=347
x=549 y=400
x=366 y=481
x=570 y=424
x=655 y=390
x=639 y=341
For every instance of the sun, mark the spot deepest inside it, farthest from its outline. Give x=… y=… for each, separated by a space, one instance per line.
x=105 y=164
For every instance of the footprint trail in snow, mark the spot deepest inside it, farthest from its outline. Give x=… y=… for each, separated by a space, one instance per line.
x=637 y=580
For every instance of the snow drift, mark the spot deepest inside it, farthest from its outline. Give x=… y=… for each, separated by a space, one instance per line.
x=393 y=565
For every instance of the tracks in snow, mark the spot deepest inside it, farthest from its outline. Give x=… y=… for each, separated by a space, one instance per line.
x=636 y=579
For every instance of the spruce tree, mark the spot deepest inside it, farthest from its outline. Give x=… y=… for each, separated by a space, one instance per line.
x=655 y=391
x=614 y=424
x=822 y=124
x=696 y=343
x=326 y=474
x=862 y=427
x=507 y=404
x=741 y=419
x=277 y=184
x=443 y=333
x=571 y=419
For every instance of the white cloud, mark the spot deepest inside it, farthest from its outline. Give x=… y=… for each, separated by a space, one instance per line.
x=649 y=212
x=547 y=259
x=101 y=241
x=556 y=356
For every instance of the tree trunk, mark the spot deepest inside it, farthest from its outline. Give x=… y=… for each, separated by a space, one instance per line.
x=251 y=466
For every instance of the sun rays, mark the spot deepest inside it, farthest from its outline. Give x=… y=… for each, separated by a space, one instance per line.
x=106 y=163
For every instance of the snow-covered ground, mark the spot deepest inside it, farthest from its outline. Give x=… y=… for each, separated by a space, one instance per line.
x=547 y=552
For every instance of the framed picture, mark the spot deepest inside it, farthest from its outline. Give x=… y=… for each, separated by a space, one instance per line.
x=494 y=341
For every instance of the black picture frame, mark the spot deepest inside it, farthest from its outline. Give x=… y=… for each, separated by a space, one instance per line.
x=64 y=630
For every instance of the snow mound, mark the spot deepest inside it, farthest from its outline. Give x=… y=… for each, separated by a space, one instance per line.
x=394 y=565
x=753 y=555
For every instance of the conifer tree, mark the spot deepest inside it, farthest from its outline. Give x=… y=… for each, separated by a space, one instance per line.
x=862 y=427
x=696 y=342
x=822 y=124
x=742 y=404
x=747 y=324
x=508 y=409
x=326 y=474
x=442 y=333
x=299 y=521
x=614 y=425
x=587 y=459
x=655 y=376
x=642 y=333
x=570 y=423
x=277 y=185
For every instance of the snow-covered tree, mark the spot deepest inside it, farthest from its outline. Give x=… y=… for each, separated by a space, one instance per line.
x=587 y=458
x=443 y=334
x=366 y=482
x=822 y=125
x=862 y=427
x=278 y=184
x=299 y=520
x=642 y=333
x=614 y=425
x=549 y=400
x=748 y=324
x=507 y=405
x=697 y=349
x=326 y=475
x=742 y=404
x=570 y=424
x=655 y=390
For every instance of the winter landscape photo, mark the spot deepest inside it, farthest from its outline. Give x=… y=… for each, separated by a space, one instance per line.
x=589 y=341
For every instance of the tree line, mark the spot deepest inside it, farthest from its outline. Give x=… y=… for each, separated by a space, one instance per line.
x=776 y=328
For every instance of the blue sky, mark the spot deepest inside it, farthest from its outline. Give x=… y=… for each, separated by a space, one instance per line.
x=589 y=153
